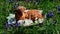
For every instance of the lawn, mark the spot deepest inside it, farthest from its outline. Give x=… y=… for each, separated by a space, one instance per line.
x=50 y=25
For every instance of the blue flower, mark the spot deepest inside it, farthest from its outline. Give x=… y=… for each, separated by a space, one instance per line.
x=34 y=1
x=50 y=14
x=27 y=0
x=10 y=1
x=17 y=24
x=57 y=7
x=7 y=25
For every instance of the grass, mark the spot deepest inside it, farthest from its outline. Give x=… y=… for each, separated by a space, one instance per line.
x=46 y=28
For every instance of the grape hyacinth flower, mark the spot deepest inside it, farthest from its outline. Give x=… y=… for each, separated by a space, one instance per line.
x=27 y=0
x=58 y=9
x=10 y=1
x=16 y=25
x=8 y=23
x=50 y=14
x=34 y=1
